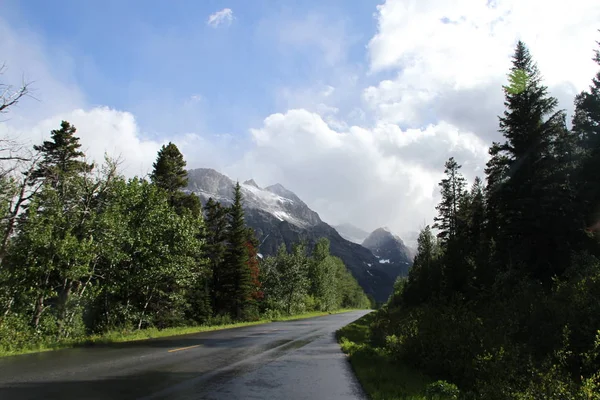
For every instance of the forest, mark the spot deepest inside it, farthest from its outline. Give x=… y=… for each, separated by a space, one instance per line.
x=503 y=300
x=86 y=251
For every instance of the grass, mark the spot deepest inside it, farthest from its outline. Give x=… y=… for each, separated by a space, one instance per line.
x=152 y=333
x=382 y=377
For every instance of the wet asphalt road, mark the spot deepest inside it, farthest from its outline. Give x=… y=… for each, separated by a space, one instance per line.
x=281 y=360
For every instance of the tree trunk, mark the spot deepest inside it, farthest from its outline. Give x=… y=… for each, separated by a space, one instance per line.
x=63 y=305
x=144 y=309
x=39 y=309
x=7 y=308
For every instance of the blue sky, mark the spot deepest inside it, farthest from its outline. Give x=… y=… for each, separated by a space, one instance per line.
x=354 y=105
x=157 y=57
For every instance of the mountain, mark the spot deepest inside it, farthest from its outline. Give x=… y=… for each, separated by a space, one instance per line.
x=279 y=216
x=351 y=233
x=390 y=250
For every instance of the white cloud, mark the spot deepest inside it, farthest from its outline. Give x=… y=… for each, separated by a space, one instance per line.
x=225 y=16
x=370 y=177
x=452 y=58
x=102 y=130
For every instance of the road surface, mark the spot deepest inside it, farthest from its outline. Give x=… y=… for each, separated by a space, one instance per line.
x=281 y=360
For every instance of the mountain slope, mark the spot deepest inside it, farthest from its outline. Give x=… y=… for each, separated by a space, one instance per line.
x=279 y=216
x=390 y=250
x=351 y=233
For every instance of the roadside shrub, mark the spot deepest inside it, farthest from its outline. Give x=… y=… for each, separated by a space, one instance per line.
x=15 y=333
x=220 y=320
x=394 y=346
x=270 y=313
x=442 y=390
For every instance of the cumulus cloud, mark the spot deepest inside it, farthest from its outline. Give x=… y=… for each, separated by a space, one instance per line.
x=452 y=58
x=370 y=177
x=224 y=16
x=115 y=133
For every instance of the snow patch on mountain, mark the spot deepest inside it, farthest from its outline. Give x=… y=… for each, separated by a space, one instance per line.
x=275 y=199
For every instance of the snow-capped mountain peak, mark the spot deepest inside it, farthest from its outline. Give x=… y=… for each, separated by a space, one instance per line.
x=279 y=217
x=251 y=182
x=275 y=199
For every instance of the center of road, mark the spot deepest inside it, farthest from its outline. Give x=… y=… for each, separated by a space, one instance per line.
x=184 y=348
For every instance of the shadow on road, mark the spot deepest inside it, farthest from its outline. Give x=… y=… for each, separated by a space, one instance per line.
x=128 y=387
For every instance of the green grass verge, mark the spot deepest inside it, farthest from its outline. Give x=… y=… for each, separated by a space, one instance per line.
x=153 y=333
x=382 y=377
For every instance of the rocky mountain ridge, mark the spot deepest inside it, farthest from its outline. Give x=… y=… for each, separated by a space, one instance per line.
x=389 y=249
x=279 y=216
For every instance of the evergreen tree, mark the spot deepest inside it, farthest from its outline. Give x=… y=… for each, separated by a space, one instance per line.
x=169 y=169
x=521 y=170
x=61 y=157
x=237 y=284
x=425 y=276
x=586 y=126
x=215 y=247
x=170 y=175
x=452 y=190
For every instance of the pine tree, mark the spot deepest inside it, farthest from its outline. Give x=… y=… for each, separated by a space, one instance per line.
x=169 y=169
x=238 y=280
x=215 y=247
x=521 y=171
x=61 y=157
x=586 y=126
x=452 y=190
x=170 y=175
x=424 y=278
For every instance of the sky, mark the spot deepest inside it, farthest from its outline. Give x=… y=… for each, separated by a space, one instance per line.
x=353 y=105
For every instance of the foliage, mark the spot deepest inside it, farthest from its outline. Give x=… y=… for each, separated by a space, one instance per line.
x=505 y=303
x=88 y=255
x=295 y=282
x=381 y=375
x=169 y=169
x=442 y=390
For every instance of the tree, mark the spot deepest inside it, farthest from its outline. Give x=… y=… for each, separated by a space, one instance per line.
x=522 y=171
x=61 y=158
x=237 y=285
x=169 y=169
x=170 y=175
x=153 y=265
x=253 y=264
x=215 y=248
x=321 y=276
x=424 y=277
x=55 y=250
x=294 y=274
x=63 y=204
x=586 y=126
x=452 y=190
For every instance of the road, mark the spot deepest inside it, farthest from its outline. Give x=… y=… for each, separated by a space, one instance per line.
x=281 y=360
